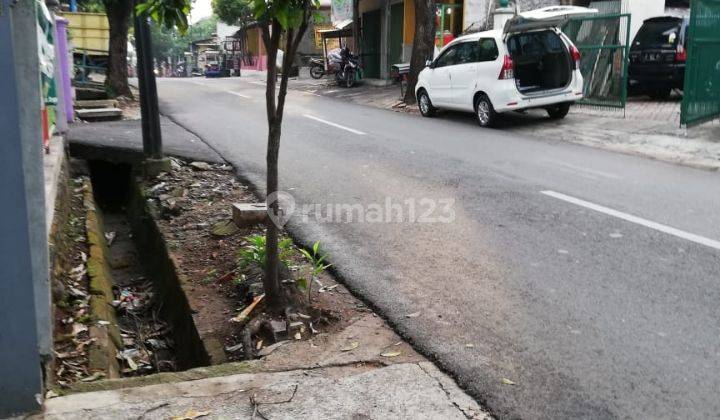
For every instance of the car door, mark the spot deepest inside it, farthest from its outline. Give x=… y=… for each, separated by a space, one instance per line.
x=463 y=75
x=477 y=69
x=439 y=87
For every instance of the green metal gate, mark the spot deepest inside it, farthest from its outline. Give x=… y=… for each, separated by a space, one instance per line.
x=701 y=93
x=604 y=45
x=395 y=47
x=371 y=44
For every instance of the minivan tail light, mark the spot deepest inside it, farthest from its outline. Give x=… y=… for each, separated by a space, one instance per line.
x=575 y=53
x=680 y=53
x=507 y=69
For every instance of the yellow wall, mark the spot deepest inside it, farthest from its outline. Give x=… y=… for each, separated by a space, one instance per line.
x=88 y=30
x=409 y=21
x=254 y=42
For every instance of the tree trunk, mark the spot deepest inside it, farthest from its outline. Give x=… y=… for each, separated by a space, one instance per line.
x=275 y=297
x=423 y=44
x=118 y=13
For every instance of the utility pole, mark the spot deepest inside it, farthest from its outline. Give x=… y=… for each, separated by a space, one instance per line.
x=149 y=110
x=22 y=272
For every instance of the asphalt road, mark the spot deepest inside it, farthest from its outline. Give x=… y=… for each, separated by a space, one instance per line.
x=587 y=278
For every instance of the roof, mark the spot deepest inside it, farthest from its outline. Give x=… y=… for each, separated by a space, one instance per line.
x=495 y=33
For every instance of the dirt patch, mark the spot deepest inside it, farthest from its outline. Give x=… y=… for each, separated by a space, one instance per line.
x=189 y=202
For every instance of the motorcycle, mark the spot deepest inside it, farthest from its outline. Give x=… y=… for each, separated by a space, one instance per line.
x=349 y=72
x=317 y=68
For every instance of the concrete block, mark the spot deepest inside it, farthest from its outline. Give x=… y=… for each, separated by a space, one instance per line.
x=245 y=214
x=98 y=103
x=99 y=113
x=153 y=167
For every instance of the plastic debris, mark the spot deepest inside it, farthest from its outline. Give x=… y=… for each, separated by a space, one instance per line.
x=191 y=415
x=352 y=346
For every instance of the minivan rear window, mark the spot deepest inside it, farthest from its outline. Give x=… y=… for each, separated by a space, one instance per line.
x=658 y=34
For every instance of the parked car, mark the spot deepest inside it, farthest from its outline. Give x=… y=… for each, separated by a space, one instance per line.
x=213 y=70
x=657 y=56
x=528 y=64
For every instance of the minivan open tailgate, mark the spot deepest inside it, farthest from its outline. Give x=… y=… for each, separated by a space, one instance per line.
x=547 y=17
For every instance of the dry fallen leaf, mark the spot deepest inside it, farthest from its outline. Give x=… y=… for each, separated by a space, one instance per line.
x=506 y=381
x=390 y=354
x=470 y=345
x=352 y=346
x=413 y=315
x=192 y=414
x=259 y=345
x=298 y=336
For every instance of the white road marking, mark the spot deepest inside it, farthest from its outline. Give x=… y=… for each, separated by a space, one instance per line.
x=238 y=94
x=342 y=127
x=582 y=169
x=637 y=220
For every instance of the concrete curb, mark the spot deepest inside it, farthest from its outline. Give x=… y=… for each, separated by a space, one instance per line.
x=102 y=352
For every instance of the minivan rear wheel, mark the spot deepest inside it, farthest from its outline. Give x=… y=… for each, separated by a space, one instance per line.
x=484 y=111
x=558 y=112
x=426 y=107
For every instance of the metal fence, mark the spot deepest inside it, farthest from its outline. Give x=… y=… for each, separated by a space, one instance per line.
x=701 y=93
x=603 y=42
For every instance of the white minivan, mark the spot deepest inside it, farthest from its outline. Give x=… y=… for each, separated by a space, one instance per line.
x=528 y=64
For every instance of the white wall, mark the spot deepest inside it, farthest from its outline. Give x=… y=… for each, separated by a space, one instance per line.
x=475 y=14
x=640 y=10
x=223 y=30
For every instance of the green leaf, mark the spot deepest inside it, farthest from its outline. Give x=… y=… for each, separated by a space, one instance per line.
x=302 y=283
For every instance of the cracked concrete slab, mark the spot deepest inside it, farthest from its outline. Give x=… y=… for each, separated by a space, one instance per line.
x=361 y=391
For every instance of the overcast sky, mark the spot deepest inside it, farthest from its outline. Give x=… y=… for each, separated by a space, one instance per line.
x=200 y=9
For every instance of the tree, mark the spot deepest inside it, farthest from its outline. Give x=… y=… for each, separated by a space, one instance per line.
x=171 y=13
x=232 y=12
x=118 y=13
x=423 y=44
x=278 y=20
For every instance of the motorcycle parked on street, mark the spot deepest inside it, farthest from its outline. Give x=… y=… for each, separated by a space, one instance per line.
x=317 y=68
x=350 y=71
x=341 y=63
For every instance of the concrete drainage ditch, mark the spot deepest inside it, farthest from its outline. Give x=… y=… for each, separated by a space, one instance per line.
x=144 y=323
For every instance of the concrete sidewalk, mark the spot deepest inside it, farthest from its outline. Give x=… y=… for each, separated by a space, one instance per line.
x=125 y=139
x=408 y=390
x=362 y=371
x=646 y=127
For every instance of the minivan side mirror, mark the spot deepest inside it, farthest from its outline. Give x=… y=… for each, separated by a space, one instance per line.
x=429 y=63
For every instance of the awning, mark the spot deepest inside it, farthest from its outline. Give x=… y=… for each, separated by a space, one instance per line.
x=342 y=29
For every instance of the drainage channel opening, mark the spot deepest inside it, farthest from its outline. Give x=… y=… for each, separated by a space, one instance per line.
x=154 y=321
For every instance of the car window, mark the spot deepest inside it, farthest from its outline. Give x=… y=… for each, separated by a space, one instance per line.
x=467 y=53
x=535 y=43
x=448 y=57
x=658 y=33
x=488 y=50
